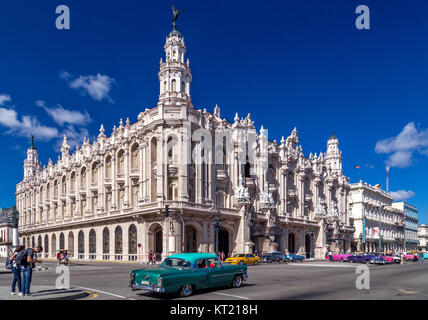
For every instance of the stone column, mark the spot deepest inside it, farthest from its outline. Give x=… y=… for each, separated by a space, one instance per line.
x=160 y=169
x=184 y=161
x=114 y=195
x=126 y=170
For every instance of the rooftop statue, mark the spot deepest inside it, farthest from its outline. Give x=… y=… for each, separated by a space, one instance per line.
x=176 y=13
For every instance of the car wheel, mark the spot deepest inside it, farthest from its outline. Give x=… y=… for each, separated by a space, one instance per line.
x=256 y=262
x=241 y=262
x=367 y=261
x=270 y=261
x=186 y=290
x=237 y=281
x=341 y=260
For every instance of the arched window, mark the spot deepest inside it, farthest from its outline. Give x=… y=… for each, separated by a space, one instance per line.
x=46 y=246
x=121 y=162
x=164 y=87
x=92 y=244
x=64 y=185
x=173 y=85
x=94 y=178
x=39 y=241
x=81 y=244
x=61 y=241
x=48 y=191
x=134 y=156
x=55 y=189
x=132 y=236
x=183 y=87
x=108 y=167
x=106 y=241
x=73 y=181
x=83 y=178
x=118 y=240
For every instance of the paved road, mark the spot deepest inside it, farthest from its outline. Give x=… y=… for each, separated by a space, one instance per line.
x=308 y=280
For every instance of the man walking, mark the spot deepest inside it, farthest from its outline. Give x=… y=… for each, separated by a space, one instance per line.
x=150 y=257
x=26 y=261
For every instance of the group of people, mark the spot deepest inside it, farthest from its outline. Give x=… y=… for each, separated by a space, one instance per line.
x=21 y=262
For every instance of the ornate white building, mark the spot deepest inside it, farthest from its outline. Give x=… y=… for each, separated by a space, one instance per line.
x=110 y=195
x=378 y=224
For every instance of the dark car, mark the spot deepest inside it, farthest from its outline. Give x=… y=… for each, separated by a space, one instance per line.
x=274 y=256
x=362 y=258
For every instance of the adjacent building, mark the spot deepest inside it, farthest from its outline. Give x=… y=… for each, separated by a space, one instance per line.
x=216 y=177
x=6 y=226
x=423 y=237
x=378 y=224
x=410 y=224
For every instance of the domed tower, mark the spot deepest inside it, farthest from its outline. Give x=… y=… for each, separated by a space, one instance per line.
x=333 y=155
x=31 y=163
x=174 y=74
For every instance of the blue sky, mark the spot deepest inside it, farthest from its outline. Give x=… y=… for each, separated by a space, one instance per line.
x=289 y=63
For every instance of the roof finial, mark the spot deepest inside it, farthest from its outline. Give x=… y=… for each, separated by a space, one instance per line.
x=33 y=147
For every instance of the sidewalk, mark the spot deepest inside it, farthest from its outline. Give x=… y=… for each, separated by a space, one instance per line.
x=45 y=293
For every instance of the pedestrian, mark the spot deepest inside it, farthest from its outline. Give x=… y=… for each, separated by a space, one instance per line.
x=421 y=257
x=256 y=253
x=150 y=257
x=330 y=255
x=26 y=260
x=402 y=259
x=154 y=257
x=16 y=271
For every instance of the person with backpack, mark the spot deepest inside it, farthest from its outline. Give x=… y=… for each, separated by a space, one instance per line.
x=26 y=260
x=11 y=264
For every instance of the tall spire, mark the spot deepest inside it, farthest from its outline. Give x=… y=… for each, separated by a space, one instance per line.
x=32 y=147
x=174 y=74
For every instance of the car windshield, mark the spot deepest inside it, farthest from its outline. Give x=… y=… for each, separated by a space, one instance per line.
x=176 y=263
x=240 y=255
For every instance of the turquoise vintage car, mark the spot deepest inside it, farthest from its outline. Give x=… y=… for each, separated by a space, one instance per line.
x=184 y=273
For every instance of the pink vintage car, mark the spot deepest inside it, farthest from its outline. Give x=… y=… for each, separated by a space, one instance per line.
x=409 y=256
x=339 y=257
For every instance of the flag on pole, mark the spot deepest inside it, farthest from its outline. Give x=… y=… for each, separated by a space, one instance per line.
x=356 y=167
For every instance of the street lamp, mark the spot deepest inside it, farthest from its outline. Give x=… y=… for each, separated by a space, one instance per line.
x=217 y=225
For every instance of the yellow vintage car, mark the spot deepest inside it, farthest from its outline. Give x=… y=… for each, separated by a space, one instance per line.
x=243 y=258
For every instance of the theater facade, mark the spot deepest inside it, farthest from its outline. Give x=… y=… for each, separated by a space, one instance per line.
x=224 y=183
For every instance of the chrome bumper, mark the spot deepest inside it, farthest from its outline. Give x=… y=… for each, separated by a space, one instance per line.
x=152 y=288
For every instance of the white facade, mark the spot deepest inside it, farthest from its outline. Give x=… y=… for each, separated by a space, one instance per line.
x=109 y=195
x=423 y=237
x=384 y=229
x=5 y=233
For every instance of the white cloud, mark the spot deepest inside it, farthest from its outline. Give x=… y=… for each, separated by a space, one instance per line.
x=26 y=126
x=65 y=75
x=40 y=103
x=402 y=147
x=402 y=195
x=98 y=86
x=4 y=98
x=61 y=115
